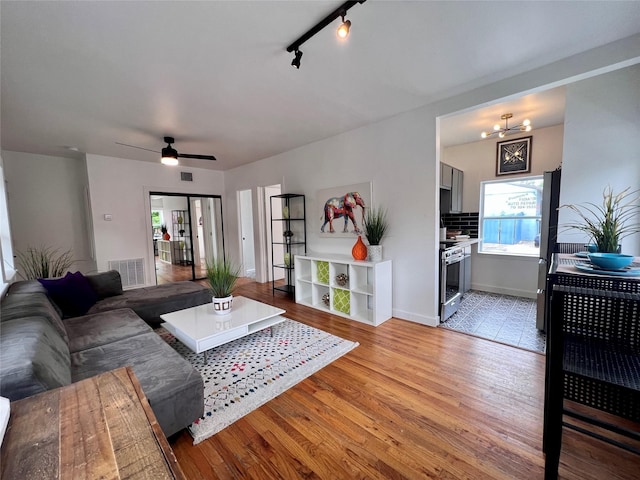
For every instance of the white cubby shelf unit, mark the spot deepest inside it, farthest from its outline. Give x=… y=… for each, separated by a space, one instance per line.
x=366 y=296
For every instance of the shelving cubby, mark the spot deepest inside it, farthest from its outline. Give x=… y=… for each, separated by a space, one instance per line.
x=365 y=297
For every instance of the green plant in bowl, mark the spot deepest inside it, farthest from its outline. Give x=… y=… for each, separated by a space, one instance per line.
x=607 y=224
x=222 y=276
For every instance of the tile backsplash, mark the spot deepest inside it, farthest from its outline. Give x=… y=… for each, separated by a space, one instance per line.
x=462 y=221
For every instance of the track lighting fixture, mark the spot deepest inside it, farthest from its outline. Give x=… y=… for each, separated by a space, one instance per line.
x=296 y=61
x=525 y=126
x=343 y=29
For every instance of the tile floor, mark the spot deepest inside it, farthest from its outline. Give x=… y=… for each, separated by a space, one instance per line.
x=501 y=318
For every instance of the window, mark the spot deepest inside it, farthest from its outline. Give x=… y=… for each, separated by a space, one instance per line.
x=6 y=251
x=510 y=216
x=156 y=218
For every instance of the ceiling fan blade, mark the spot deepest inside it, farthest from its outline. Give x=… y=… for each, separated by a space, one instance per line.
x=201 y=157
x=133 y=146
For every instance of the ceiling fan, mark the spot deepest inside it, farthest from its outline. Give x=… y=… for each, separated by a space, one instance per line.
x=169 y=154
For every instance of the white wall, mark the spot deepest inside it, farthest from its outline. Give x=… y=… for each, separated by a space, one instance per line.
x=601 y=144
x=121 y=188
x=503 y=274
x=48 y=205
x=398 y=157
x=478 y=161
x=401 y=157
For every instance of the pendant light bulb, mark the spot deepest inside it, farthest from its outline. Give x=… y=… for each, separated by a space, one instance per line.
x=343 y=29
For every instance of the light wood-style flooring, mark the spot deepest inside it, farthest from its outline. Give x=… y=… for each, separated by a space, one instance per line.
x=410 y=402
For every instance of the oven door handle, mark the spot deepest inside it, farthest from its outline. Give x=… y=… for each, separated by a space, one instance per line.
x=443 y=280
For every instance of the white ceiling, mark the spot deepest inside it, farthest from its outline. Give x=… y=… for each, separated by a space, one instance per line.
x=216 y=76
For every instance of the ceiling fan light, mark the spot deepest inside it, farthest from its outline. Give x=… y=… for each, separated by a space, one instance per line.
x=496 y=127
x=528 y=128
x=501 y=134
x=526 y=122
x=484 y=134
x=169 y=161
x=169 y=156
x=343 y=29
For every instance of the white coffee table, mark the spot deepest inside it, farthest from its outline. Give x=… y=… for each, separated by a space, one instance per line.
x=200 y=329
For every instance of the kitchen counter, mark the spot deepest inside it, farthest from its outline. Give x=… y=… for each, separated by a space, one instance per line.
x=459 y=243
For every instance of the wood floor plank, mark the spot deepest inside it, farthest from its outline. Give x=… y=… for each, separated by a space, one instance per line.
x=409 y=402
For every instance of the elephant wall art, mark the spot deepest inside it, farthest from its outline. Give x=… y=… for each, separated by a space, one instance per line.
x=343 y=210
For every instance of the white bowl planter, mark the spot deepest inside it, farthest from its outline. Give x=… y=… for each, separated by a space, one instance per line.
x=222 y=306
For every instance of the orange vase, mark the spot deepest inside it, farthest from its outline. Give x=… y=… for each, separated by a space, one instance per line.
x=166 y=236
x=359 y=250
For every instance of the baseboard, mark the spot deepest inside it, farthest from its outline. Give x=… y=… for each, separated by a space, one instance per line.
x=504 y=291
x=417 y=318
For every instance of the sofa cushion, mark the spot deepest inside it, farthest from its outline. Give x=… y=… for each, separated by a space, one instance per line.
x=106 y=284
x=99 y=329
x=173 y=386
x=72 y=293
x=151 y=302
x=15 y=307
x=33 y=358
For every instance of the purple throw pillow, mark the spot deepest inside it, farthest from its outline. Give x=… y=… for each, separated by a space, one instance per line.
x=72 y=293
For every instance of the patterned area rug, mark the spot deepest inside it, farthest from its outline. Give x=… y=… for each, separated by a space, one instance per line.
x=244 y=374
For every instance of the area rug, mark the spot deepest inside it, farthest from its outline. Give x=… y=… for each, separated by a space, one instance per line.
x=242 y=375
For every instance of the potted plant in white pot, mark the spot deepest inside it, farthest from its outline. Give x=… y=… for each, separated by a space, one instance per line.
x=375 y=226
x=222 y=276
x=607 y=224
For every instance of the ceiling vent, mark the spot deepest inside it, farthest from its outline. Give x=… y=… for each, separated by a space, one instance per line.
x=186 y=176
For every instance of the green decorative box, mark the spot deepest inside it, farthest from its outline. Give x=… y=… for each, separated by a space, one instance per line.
x=342 y=300
x=323 y=272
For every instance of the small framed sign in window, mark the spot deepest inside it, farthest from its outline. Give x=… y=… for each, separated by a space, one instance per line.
x=514 y=156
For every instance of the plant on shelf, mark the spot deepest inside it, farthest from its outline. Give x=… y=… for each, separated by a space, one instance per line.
x=222 y=276
x=165 y=232
x=607 y=224
x=43 y=262
x=375 y=226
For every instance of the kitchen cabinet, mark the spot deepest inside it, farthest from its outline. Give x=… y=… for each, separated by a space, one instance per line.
x=451 y=185
x=446 y=176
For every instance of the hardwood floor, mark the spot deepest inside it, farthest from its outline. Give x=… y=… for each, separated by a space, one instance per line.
x=410 y=402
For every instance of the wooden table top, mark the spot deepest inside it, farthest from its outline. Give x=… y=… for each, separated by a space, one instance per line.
x=102 y=427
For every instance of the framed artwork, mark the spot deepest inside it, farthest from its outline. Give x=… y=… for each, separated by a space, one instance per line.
x=341 y=210
x=514 y=156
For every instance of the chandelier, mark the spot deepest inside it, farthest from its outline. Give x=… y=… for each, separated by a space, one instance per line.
x=525 y=126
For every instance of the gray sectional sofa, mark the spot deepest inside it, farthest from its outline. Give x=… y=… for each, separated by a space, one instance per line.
x=40 y=349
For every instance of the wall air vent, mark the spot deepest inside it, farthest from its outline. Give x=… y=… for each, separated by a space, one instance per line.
x=186 y=176
x=131 y=271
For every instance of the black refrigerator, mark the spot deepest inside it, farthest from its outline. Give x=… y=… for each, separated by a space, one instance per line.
x=548 y=238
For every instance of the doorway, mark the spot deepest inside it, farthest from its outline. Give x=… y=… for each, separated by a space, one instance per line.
x=246 y=234
x=187 y=232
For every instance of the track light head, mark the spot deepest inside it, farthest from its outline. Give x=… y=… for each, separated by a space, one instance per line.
x=296 y=60
x=343 y=29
